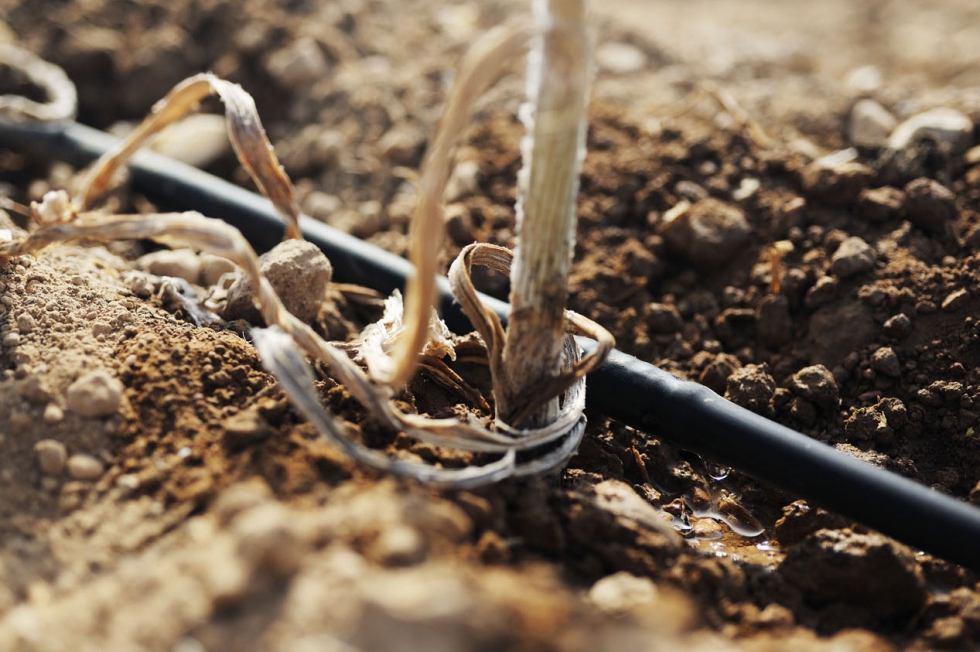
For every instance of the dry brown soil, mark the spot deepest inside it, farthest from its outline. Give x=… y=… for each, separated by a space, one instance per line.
x=197 y=510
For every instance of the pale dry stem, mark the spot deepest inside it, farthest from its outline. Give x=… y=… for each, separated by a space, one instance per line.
x=62 y=99
x=245 y=130
x=553 y=150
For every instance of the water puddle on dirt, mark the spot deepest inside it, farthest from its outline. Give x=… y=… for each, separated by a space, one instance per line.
x=714 y=520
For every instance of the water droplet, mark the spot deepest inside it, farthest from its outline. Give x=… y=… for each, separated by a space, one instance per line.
x=714 y=470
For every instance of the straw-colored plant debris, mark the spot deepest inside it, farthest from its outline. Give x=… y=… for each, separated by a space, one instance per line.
x=62 y=100
x=393 y=348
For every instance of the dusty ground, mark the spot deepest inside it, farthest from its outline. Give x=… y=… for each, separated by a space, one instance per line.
x=193 y=509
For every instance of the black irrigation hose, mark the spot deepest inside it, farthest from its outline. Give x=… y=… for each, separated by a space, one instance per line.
x=625 y=388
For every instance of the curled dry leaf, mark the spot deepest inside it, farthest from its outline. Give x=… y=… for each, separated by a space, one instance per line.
x=62 y=99
x=488 y=325
x=245 y=130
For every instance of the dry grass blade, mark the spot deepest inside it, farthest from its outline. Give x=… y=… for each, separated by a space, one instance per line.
x=62 y=99
x=245 y=130
x=482 y=65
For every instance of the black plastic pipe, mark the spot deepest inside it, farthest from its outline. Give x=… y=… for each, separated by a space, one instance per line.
x=624 y=388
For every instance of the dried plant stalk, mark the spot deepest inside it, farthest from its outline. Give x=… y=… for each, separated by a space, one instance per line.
x=62 y=99
x=553 y=150
x=245 y=130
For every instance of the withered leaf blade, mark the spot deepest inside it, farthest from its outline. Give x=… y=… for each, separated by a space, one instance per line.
x=248 y=139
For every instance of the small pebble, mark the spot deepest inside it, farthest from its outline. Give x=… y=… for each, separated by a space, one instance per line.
x=51 y=456
x=128 y=482
x=179 y=263
x=25 y=322
x=298 y=64
x=299 y=273
x=817 y=385
x=213 y=268
x=930 y=204
x=34 y=389
x=707 y=528
x=621 y=592
x=822 y=292
x=853 y=256
x=880 y=204
x=746 y=188
x=870 y=124
x=898 y=326
x=11 y=339
x=836 y=179
x=945 y=126
x=885 y=361
x=620 y=58
x=709 y=232
x=84 y=468
x=864 y=80
x=95 y=394
x=53 y=413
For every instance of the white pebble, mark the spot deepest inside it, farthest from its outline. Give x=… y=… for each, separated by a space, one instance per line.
x=51 y=456
x=870 y=124
x=95 y=394
x=864 y=80
x=620 y=58
x=25 y=322
x=84 y=467
x=621 y=592
x=180 y=263
x=53 y=413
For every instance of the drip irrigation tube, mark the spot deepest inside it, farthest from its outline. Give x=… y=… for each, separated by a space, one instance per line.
x=624 y=388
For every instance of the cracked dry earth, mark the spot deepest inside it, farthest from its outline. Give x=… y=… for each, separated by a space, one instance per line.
x=157 y=492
